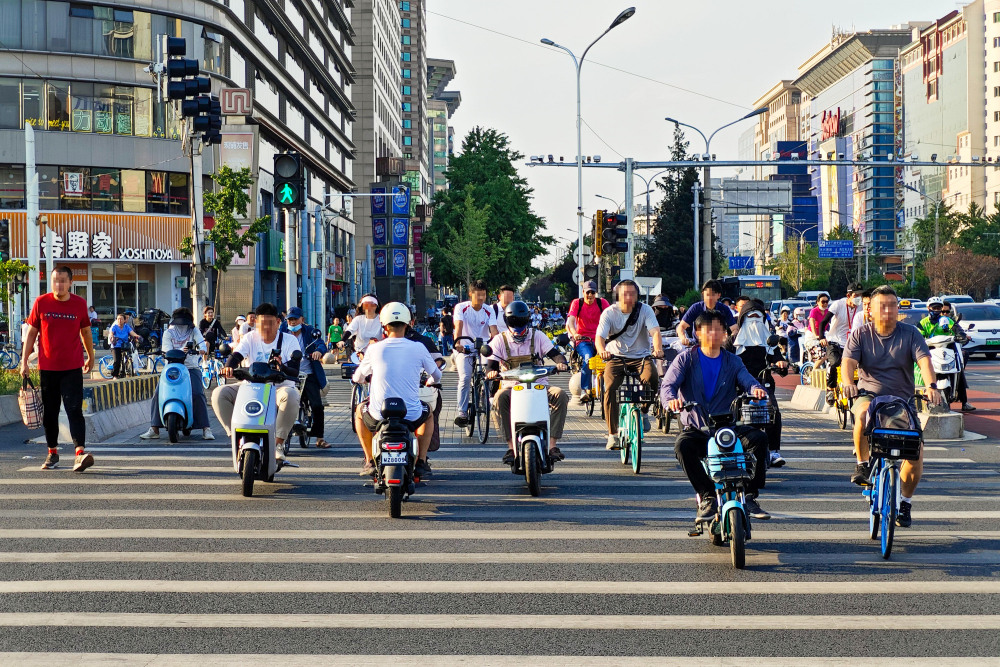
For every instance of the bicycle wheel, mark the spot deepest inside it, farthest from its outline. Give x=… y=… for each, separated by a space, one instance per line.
x=805 y=373
x=471 y=411
x=483 y=412
x=206 y=376
x=624 y=437
x=635 y=431
x=355 y=401
x=305 y=424
x=842 y=411
x=600 y=393
x=106 y=365
x=6 y=361
x=888 y=506
x=590 y=402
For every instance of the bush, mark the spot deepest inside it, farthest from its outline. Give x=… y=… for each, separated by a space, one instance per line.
x=10 y=381
x=688 y=298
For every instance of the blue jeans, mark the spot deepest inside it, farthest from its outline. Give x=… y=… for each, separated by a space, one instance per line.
x=447 y=342
x=585 y=349
x=793 y=346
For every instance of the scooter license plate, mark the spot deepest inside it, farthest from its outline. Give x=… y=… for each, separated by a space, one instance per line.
x=393 y=459
x=993 y=341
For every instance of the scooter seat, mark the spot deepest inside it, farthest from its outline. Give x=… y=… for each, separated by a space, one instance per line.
x=393 y=408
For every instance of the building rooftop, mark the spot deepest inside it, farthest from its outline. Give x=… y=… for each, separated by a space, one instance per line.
x=440 y=73
x=847 y=52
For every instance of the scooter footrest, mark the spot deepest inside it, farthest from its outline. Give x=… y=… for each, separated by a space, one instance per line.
x=697 y=531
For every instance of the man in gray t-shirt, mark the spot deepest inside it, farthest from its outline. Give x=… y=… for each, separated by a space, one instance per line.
x=883 y=352
x=631 y=344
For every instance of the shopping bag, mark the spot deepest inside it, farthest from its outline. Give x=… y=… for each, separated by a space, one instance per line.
x=30 y=401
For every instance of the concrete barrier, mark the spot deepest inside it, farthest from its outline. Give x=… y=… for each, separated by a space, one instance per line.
x=114 y=393
x=10 y=411
x=943 y=426
x=809 y=398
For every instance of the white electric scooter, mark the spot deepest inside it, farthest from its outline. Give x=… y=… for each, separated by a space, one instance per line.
x=529 y=423
x=947 y=362
x=253 y=425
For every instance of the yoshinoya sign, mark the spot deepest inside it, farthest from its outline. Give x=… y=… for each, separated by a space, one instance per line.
x=109 y=237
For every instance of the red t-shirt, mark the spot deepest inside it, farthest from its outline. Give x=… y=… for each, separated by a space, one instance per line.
x=587 y=320
x=59 y=322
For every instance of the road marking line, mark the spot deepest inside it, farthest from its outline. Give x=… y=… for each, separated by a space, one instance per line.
x=369 y=535
x=641 y=623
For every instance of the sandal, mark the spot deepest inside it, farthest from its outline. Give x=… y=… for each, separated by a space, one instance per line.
x=322 y=444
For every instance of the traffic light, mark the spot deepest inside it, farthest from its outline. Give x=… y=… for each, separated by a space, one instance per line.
x=616 y=274
x=4 y=240
x=598 y=232
x=591 y=271
x=182 y=80
x=615 y=233
x=214 y=134
x=289 y=183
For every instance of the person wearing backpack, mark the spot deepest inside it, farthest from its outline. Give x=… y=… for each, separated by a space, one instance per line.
x=581 y=325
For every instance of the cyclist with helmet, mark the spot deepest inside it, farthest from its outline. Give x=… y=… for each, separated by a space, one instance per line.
x=521 y=343
x=393 y=369
x=938 y=323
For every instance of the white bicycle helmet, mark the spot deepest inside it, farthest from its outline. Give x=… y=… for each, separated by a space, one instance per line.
x=799 y=312
x=934 y=301
x=394 y=312
x=786 y=309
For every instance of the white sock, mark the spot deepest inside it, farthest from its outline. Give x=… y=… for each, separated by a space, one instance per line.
x=906 y=500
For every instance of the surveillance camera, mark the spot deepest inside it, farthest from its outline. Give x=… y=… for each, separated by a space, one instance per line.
x=933 y=157
x=975 y=158
x=551 y=159
x=840 y=156
x=914 y=157
x=706 y=157
x=597 y=158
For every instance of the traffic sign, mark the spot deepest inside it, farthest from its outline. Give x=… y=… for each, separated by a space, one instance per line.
x=588 y=255
x=836 y=249
x=576 y=275
x=739 y=263
x=649 y=285
x=287 y=196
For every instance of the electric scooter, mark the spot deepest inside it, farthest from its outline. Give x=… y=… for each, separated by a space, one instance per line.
x=176 y=396
x=947 y=365
x=529 y=423
x=395 y=451
x=252 y=429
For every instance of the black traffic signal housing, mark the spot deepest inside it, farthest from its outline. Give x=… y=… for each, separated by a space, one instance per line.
x=289 y=181
x=599 y=232
x=183 y=81
x=616 y=274
x=615 y=233
x=591 y=271
x=4 y=240
x=214 y=133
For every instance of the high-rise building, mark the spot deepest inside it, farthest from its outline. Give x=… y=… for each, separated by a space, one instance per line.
x=991 y=90
x=440 y=107
x=114 y=185
x=414 y=90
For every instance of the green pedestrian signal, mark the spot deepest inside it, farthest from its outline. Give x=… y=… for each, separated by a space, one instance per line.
x=289 y=181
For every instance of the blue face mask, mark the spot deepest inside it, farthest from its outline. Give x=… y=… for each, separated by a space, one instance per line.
x=295 y=328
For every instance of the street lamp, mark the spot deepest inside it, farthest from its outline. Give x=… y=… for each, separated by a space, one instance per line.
x=618 y=206
x=706 y=252
x=798 y=255
x=621 y=18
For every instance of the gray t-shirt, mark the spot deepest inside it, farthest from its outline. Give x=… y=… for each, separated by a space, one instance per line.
x=885 y=363
x=634 y=343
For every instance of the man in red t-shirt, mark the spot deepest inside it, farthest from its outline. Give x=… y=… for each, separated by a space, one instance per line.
x=581 y=324
x=60 y=322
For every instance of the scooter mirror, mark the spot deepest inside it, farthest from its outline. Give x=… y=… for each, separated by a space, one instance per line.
x=297 y=355
x=773 y=340
x=486 y=351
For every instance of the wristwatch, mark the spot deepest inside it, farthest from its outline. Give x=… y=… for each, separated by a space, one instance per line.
x=933 y=385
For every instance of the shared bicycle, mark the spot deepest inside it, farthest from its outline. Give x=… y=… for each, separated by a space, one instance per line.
x=133 y=363
x=596 y=392
x=633 y=396
x=10 y=357
x=479 y=400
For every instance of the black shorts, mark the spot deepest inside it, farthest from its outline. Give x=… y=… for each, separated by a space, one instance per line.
x=372 y=424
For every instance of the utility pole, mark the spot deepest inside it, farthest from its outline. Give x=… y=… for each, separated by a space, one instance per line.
x=199 y=272
x=630 y=221
x=706 y=229
x=32 y=230
x=290 y=282
x=696 y=188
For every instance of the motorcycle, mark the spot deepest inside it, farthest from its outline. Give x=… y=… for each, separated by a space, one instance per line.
x=947 y=360
x=252 y=429
x=176 y=396
x=395 y=451
x=529 y=423
x=729 y=466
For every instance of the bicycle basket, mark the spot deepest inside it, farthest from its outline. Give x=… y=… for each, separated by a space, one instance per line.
x=729 y=467
x=757 y=411
x=893 y=429
x=632 y=390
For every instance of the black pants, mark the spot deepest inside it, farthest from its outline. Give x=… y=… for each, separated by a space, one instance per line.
x=773 y=431
x=117 y=370
x=834 y=354
x=691 y=447
x=312 y=393
x=65 y=387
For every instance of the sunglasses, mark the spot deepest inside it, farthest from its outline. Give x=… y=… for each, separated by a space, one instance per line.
x=823 y=303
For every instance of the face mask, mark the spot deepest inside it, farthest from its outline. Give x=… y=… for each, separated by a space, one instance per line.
x=295 y=328
x=857 y=302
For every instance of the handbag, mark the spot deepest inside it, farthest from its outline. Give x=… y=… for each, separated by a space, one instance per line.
x=30 y=401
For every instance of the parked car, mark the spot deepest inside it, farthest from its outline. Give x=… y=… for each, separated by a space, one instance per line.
x=811 y=297
x=958 y=298
x=981 y=322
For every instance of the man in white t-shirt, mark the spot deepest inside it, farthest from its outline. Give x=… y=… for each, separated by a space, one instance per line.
x=475 y=320
x=366 y=326
x=254 y=346
x=505 y=296
x=394 y=366
x=840 y=316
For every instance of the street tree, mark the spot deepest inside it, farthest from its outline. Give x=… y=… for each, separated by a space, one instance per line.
x=485 y=171
x=468 y=252
x=979 y=232
x=939 y=217
x=957 y=270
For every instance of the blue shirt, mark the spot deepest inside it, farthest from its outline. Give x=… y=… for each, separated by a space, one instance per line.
x=696 y=309
x=120 y=334
x=709 y=372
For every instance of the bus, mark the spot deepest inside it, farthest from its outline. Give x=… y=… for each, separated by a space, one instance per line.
x=765 y=288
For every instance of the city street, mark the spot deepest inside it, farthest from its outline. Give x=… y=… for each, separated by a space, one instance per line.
x=154 y=551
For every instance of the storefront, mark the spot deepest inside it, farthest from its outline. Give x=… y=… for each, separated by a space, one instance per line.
x=120 y=262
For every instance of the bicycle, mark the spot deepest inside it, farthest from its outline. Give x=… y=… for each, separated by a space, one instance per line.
x=840 y=402
x=211 y=368
x=10 y=357
x=597 y=381
x=303 y=425
x=132 y=363
x=633 y=395
x=888 y=446
x=479 y=399
x=816 y=359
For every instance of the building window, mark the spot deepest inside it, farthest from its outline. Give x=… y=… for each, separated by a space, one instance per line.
x=406 y=23
x=57 y=103
x=133 y=189
x=406 y=40
x=406 y=74
x=406 y=90
x=406 y=106
x=407 y=141
x=407 y=56
x=996 y=116
x=408 y=124
x=157 y=195
x=996 y=41
x=12 y=187
x=405 y=6
x=996 y=66
x=996 y=17
x=178 y=194
x=75 y=188
x=107 y=189
x=10 y=104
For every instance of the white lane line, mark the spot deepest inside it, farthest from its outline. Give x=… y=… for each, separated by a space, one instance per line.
x=369 y=535
x=288 y=478
x=640 y=623
x=757 y=558
x=541 y=587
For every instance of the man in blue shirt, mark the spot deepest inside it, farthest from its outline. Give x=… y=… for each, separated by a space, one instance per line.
x=710 y=293
x=711 y=377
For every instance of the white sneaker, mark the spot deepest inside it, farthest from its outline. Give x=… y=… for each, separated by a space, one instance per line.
x=279 y=452
x=612 y=442
x=207 y=434
x=776 y=460
x=151 y=434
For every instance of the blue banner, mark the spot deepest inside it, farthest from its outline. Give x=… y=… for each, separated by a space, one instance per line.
x=401 y=200
x=399 y=263
x=378 y=201
x=400 y=231
x=381 y=262
x=379 y=235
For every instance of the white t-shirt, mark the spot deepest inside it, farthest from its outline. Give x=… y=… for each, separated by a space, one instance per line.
x=475 y=323
x=501 y=320
x=172 y=340
x=538 y=344
x=634 y=343
x=859 y=319
x=364 y=329
x=405 y=358
x=842 y=322
x=254 y=349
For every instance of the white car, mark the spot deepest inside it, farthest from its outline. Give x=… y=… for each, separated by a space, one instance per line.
x=981 y=323
x=957 y=298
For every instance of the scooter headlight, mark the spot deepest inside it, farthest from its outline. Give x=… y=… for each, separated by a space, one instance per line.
x=725 y=438
x=253 y=408
x=173 y=374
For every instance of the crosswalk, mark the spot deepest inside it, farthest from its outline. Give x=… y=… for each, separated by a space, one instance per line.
x=153 y=557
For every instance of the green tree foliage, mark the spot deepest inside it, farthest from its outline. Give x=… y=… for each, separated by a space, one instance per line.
x=485 y=172
x=979 y=232
x=468 y=250
x=944 y=218
x=228 y=204
x=11 y=271
x=670 y=251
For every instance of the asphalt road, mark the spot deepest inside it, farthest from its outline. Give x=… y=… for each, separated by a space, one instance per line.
x=153 y=557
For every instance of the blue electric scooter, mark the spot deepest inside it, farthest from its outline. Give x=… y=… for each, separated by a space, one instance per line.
x=176 y=399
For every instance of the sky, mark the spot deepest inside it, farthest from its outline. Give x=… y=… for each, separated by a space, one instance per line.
x=703 y=62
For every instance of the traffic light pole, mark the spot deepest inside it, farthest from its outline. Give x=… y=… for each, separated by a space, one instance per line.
x=291 y=297
x=630 y=221
x=696 y=188
x=199 y=272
